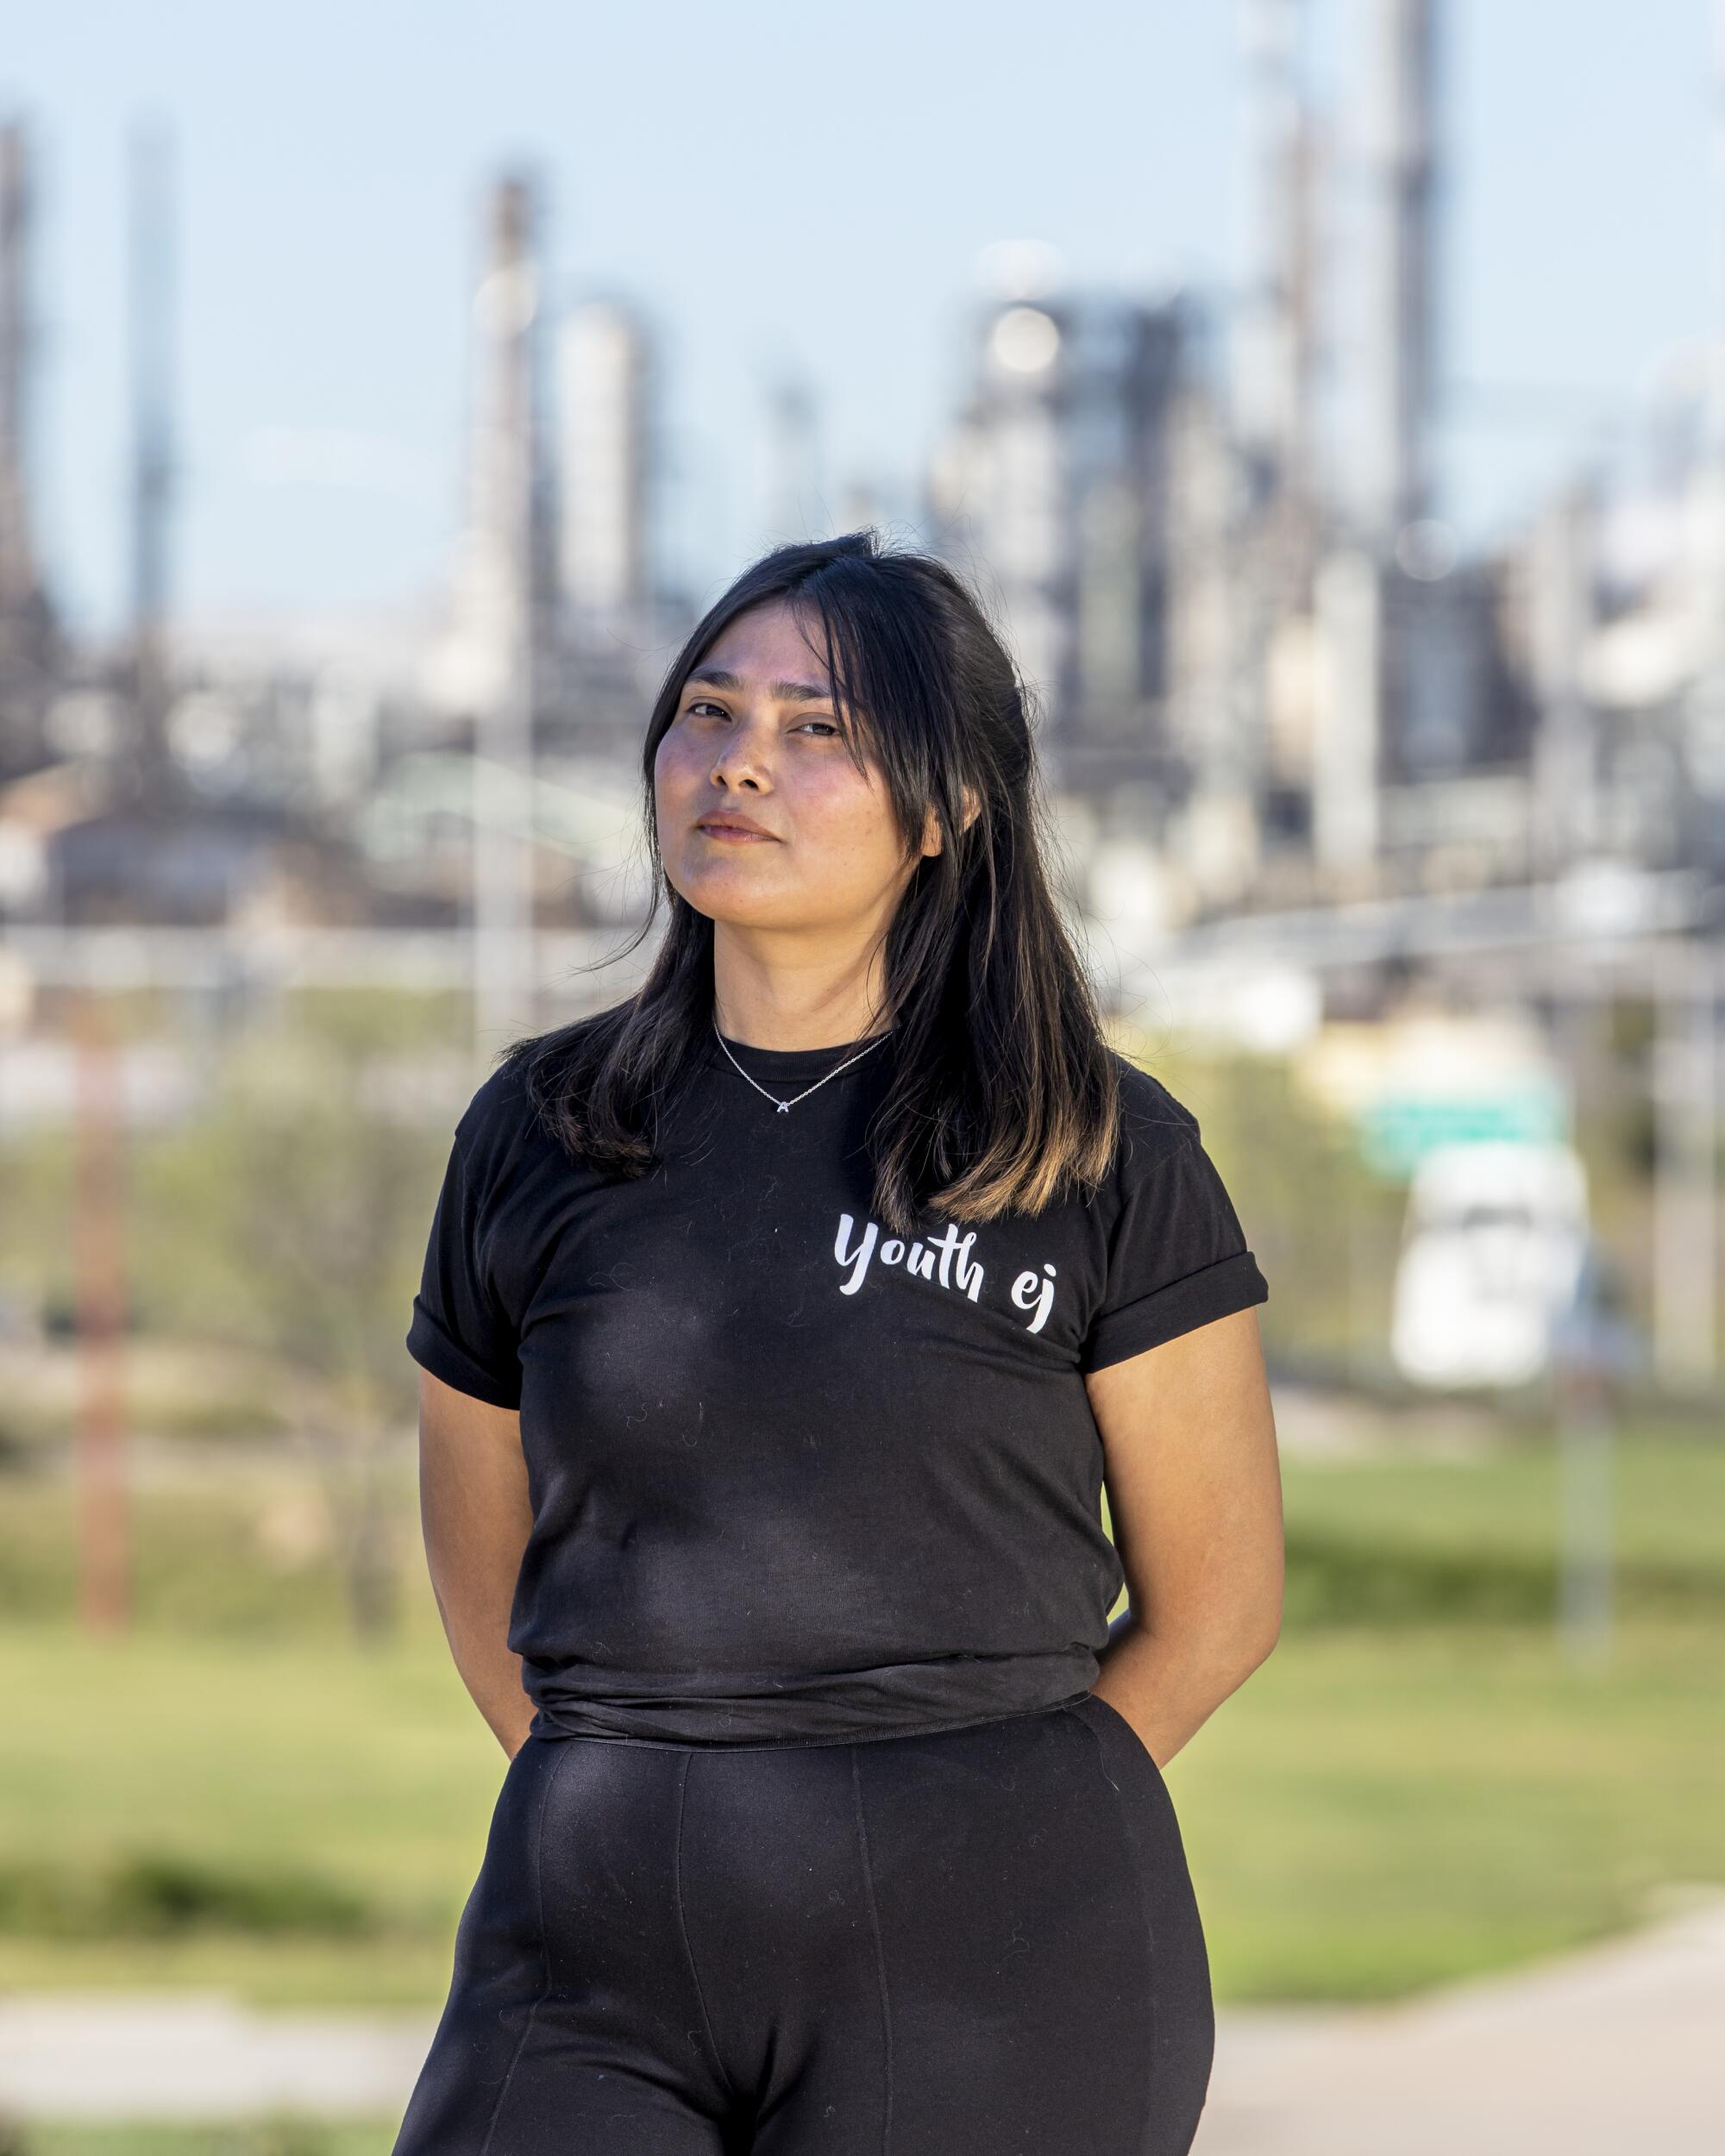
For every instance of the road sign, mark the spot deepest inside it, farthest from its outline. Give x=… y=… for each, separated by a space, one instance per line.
x=1396 y=1131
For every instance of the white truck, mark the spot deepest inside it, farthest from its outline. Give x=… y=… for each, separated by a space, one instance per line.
x=1494 y=1242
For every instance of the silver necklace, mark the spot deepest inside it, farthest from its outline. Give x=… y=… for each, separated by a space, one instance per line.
x=785 y=1106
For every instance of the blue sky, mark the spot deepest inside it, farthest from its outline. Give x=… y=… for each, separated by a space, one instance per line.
x=779 y=184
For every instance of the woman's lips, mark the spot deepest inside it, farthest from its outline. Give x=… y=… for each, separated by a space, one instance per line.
x=735 y=831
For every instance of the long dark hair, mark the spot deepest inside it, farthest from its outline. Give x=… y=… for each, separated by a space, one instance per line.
x=1004 y=1094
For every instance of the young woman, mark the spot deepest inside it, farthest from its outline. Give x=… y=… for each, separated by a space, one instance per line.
x=779 y=1328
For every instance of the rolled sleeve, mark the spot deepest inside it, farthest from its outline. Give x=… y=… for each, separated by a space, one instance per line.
x=1178 y=1257
x=459 y=1329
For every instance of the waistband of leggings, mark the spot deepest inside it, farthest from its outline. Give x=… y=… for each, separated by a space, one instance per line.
x=547 y=1729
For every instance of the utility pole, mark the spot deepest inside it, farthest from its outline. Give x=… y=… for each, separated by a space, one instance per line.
x=1686 y=1169
x=1586 y=1496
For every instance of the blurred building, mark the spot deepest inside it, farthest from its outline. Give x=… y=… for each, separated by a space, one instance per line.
x=1265 y=673
x=1054 y=491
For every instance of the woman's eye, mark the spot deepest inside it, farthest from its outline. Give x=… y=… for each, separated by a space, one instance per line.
x=702 y=704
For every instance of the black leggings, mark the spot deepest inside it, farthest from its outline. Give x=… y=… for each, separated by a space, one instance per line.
x=964 y=1943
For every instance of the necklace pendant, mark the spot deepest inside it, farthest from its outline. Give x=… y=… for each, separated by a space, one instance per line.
x=784 y=1107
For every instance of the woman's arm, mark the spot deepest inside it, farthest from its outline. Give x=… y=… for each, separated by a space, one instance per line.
x=1194 y=1499
x=476 y=1513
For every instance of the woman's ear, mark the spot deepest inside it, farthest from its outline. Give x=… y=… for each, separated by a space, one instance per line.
x=931 y=829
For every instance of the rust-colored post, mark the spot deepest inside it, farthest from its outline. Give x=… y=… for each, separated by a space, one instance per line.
x=105 y=1581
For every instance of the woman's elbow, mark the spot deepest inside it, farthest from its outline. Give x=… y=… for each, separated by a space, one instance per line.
x=1240 y=1633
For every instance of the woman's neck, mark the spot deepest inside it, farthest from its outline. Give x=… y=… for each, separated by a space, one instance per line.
x=804 y=1011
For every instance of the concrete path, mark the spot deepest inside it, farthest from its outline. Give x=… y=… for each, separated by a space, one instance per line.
x=197 y=2055
x=1616 y=2049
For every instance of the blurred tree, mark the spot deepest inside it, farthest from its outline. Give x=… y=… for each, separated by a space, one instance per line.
x=294 y=1215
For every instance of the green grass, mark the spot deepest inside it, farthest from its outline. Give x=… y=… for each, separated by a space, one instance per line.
x=1369 y=1815
x=368 y=1774
x=1416 y=1786
x=281 y=2135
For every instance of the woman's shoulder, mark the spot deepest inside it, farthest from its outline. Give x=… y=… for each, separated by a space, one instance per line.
x=499 y=1106
x=508 y=1112
x=1153 y=1121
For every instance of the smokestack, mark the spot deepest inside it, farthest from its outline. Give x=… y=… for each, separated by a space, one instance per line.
x=505 y=579
x=506 y=592
x=1399 y=162
x=26 y=621
x=1274 y=378
x=17 y=555
x=1704 y=713
x=152 y=369
x=603 y=380
x=1716 y=377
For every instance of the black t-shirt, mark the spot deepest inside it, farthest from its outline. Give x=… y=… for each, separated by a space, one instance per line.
x=793 y=1481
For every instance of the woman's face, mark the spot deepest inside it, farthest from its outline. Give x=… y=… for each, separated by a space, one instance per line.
x=755 y=739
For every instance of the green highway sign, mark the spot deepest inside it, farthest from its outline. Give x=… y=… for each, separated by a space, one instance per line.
x=1396 y=1131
